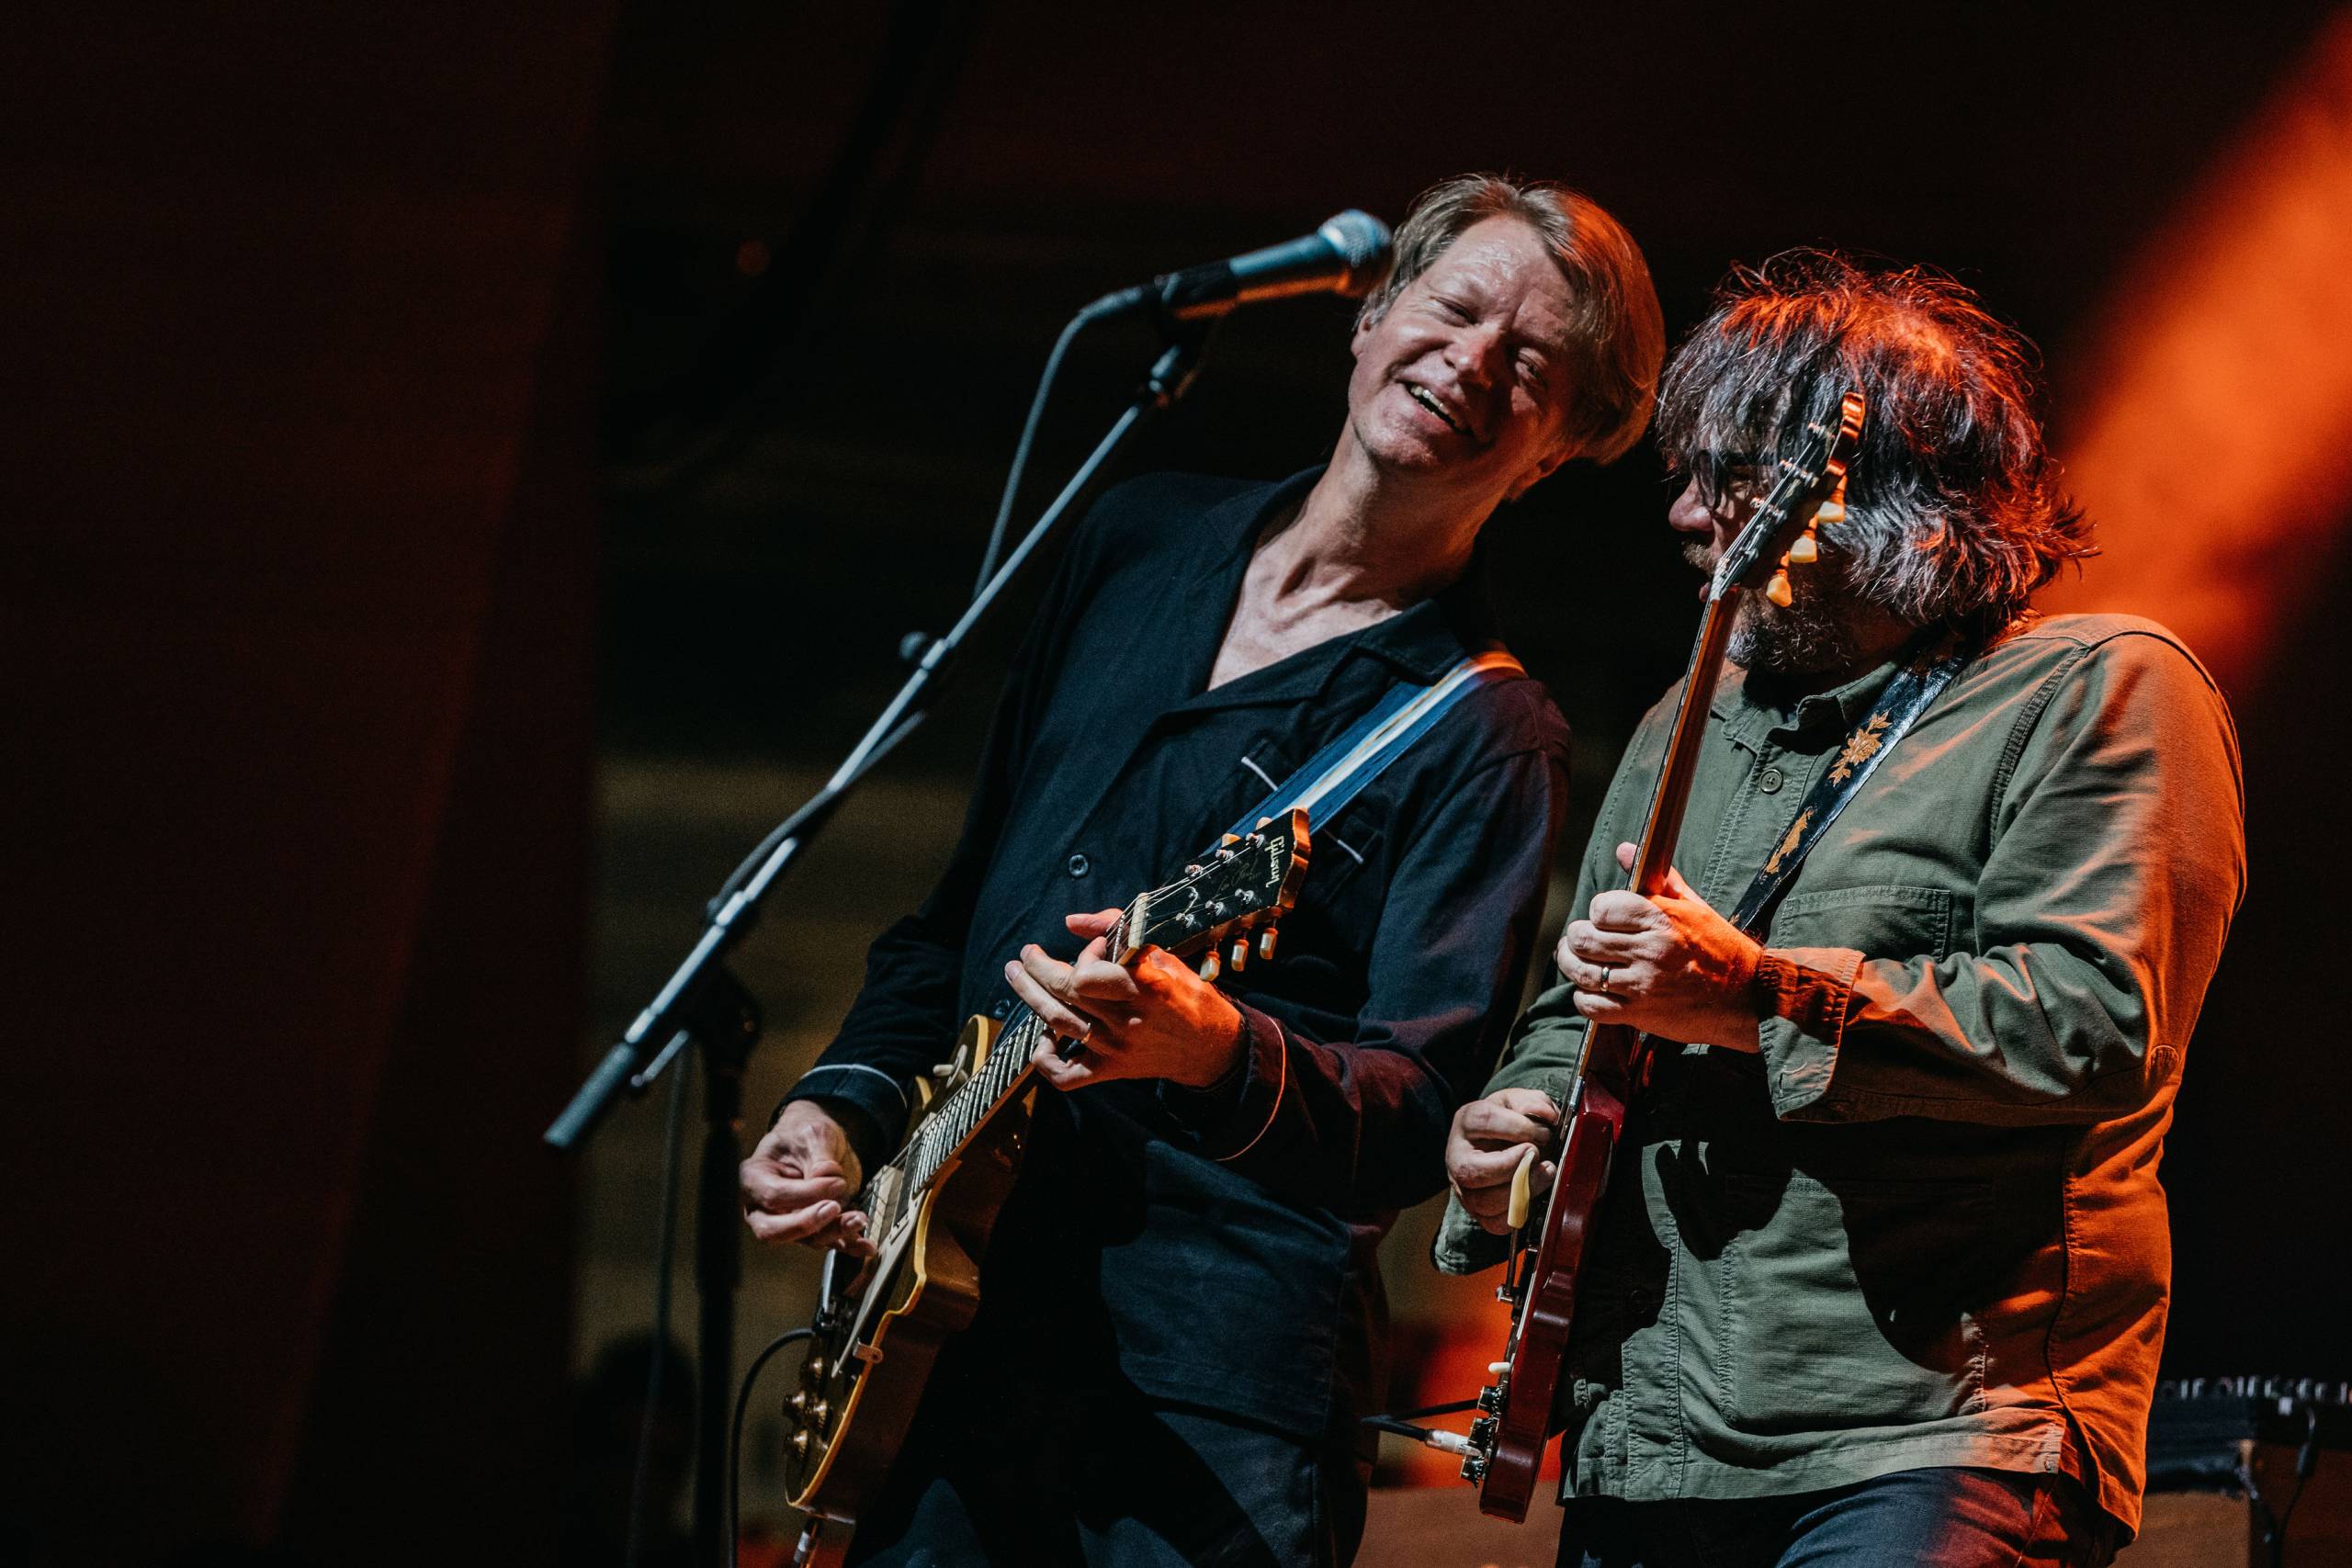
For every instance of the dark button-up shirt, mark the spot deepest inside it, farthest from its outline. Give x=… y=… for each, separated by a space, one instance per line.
x=1218 y=1249
x=1923 y=1226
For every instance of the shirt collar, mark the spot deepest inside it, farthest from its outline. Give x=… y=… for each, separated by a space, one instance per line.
x=1748 y=709
x=1422 y=642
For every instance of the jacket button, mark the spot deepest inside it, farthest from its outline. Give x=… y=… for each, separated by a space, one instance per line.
x=1769 y=781
x=1002 y=1009
x=1079 y=865
x=1639 y=1299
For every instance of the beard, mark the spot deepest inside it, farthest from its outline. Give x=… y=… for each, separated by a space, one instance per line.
x=1820 y=633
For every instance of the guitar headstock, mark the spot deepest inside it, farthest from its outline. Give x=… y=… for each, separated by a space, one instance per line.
x=1808 y=490
x=1239 y=892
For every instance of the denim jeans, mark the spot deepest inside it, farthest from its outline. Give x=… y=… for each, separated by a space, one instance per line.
x=1930 y=1518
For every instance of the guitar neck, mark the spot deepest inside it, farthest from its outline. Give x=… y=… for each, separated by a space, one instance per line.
x=1609 y=1048
x=1663 y=827
x=999 y=1076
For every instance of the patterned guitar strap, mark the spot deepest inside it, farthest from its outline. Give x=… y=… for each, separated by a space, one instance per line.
x=1906 y=696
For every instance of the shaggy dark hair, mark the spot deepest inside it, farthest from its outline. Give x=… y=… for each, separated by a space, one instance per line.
x=1953 y=512
x=1619 y=334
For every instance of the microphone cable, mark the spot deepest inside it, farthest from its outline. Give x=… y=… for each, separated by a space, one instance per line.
x=1004 y=524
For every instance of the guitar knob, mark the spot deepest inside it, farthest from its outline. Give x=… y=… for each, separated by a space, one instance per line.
x=817 y=1370
x=1778 y=590
x=798 y=1404
x=1210 y=968
x=800 y=1444
x=1474 y=1469
x=1266 y=944
x=1490 y=1398
x=1240 y=956
x=1482 y=1432
x=819 y=1414
x=1804 y=549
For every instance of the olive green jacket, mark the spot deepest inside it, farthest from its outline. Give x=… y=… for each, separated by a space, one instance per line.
x=1923 y=1227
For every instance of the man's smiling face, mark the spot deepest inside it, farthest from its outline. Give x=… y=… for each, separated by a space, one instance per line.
x=1466 y=376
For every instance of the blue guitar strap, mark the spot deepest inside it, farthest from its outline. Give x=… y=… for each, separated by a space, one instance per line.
x=1336 y=775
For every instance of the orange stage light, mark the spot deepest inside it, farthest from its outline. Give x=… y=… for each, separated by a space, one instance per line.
x=2211 y=438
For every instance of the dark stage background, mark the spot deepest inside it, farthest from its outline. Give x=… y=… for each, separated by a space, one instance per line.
x=472 y=466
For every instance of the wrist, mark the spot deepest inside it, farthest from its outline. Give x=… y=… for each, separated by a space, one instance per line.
x=1225 y=1066
x=1744 y=1020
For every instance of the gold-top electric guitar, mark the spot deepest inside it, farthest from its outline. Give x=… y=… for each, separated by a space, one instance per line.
x=930 y=1210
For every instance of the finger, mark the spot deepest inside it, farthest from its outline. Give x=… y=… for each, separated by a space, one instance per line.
x=1482 y=1202
x=812 y=1224
x=1678 y=888
x=1065 y=1075
x=1533 y=1103
x=1475 y=1170
x=768 y=1188
x=1586 y=945
x=1097 y=980
x=1096 y=924
x=1490 y=1124
x=1599 y=1007
x=1050 y=1009
x=1625 y=853
x=855 y=1234
x=1621 y=911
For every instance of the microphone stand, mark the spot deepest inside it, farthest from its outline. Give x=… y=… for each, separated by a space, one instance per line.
x=703 y=1003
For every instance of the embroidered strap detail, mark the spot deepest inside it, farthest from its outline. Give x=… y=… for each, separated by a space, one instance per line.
x=1906 y=696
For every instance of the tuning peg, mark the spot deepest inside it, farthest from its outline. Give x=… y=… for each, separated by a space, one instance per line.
x=1833 y=510
x=1240 y=956
x=1210 y=968
x=1263 y=820
x=1778 y=590
x=1804 y=549
x=1230 y=839
x=1266 y=944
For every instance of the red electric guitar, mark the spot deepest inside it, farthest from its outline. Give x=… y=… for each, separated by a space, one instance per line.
x=1506 y=1444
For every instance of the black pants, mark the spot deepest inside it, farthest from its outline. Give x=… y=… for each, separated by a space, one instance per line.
x=1056 y=1478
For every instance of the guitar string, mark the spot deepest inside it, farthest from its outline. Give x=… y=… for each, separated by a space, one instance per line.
x=965 y=1106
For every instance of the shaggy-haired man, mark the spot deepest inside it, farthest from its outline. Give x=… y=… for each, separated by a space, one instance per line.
x=1882 y=1271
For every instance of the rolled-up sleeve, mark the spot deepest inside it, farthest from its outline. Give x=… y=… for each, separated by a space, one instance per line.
x=2117 y=860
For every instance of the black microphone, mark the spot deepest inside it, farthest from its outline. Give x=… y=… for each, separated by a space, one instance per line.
x=1347 y=255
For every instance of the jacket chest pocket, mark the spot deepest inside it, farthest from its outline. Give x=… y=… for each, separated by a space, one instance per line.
x=1884 y=919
